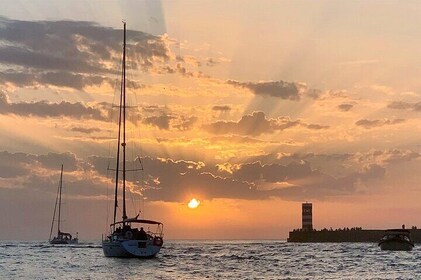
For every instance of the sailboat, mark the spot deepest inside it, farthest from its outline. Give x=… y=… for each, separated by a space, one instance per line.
x=127 y=238
x=62 y=237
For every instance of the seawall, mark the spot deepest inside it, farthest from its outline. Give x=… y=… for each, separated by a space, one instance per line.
x=352 y=235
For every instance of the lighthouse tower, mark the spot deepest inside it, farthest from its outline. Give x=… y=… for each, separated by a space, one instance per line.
x=307 y=215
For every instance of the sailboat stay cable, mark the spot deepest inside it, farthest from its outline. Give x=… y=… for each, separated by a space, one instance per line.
x=118 y=148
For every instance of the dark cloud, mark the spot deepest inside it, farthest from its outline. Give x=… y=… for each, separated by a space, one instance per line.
x=76 y=81
x=368 y=124
x=151 y=109
x=401 y=105
x=19 y=164
x=211 y=62
x=256 y=124
x=75 y=185
x=87 y=130
x=46 y=109
x=222 y=108
x=70 y=53
x=162 y=122
x=345 y=107
x=234 y=139
x=384 y=157
x=337 y=164
x=300 y=181
x=174 y=180
x=59 y=79
x=280 y=89
x=186 y=123
x=315 y=126
x=171 y=180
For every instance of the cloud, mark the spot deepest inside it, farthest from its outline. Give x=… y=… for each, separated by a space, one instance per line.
x=401 y=105
x=279 y=89
x=315 y=126
x=385 y=157
x=215 y=61
x=368 y=124
x=345 y=107
x=162 y=122
x=87 y=130
x=171 y=180
x=59 y=79
x=257 y=124
x=186 y=123
x=234 y=139
x=222 y=108
x=71 y=53
x=299 y=181
x=177 y=180
x=13 y=165
x=46 y=109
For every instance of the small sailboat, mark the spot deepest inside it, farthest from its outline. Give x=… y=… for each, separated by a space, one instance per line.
x=397 y=240
x=62 y=237
x=127 y=238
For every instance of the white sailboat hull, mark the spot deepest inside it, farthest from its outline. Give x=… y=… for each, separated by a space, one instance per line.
x=130 y=248
x=63 y=241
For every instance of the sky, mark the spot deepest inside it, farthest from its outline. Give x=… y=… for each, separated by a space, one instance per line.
x=251 y=107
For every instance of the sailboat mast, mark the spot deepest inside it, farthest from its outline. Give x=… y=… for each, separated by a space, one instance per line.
x=59 y=202
x=124 y=125
x=54 y=213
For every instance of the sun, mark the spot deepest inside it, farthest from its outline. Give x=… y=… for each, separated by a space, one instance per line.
x=193 y=203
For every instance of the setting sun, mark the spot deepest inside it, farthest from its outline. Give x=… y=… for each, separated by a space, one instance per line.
x=193 y=203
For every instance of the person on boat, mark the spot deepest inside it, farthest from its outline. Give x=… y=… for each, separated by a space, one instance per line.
x=142 y=234
x=126 y=228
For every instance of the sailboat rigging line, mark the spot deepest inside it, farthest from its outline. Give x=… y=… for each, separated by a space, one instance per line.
x=110 y=150
x=108 y=193
x=118 y=141
x=59 y=204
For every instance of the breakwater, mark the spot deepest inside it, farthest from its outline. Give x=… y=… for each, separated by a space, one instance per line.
x=344 y=235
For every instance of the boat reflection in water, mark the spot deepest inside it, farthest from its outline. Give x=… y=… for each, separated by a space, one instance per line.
x=397 y=240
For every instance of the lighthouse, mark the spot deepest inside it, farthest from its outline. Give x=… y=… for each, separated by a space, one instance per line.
x=307 y=215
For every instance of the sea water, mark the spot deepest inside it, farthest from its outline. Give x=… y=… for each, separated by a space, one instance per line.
x=211 y=260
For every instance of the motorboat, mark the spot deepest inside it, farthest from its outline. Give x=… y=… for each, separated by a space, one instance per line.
x=397 y=240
